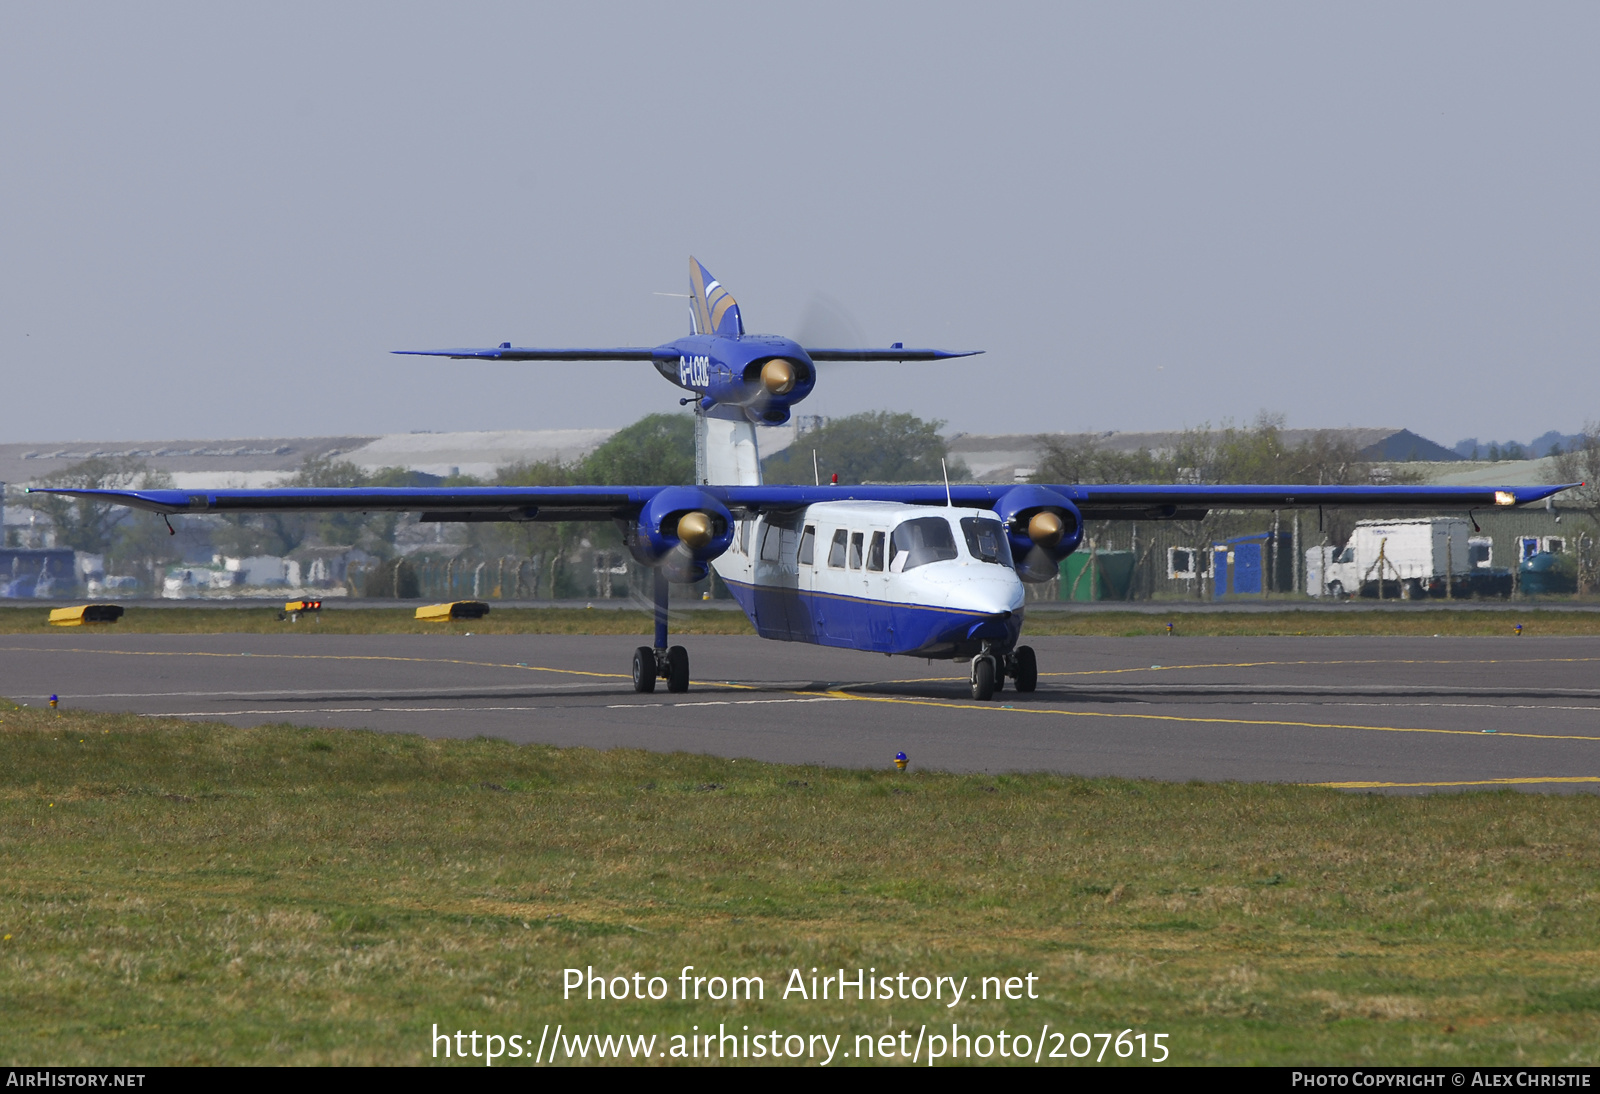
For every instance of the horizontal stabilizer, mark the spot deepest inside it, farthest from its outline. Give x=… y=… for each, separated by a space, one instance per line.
x=893 y=353
x=509 y=352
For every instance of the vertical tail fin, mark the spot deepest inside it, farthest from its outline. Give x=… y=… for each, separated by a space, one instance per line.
x=712 y=307
x=726 y=450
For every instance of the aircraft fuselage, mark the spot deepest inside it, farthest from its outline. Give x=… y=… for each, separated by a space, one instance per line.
x=729 y=371
x=885 y=578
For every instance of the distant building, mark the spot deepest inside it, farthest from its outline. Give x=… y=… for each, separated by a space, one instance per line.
x=1008 y=457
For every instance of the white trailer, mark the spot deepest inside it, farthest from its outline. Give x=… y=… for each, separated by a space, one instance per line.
x=1402 y=558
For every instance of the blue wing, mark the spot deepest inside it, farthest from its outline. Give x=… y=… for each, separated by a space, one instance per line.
x=508 y=352
x=1155 y=502
x=896 y=352
x=551 y=503
x=467 y=503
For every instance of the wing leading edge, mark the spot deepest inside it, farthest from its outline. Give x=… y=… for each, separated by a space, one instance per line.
x=554 y=503
x=509 y=352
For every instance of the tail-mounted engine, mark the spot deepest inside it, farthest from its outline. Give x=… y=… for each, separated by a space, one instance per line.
x=1044 y=527
x=681 y=529
x=772 y=385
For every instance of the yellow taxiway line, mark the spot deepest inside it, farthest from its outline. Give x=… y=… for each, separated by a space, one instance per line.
x=1203 y=721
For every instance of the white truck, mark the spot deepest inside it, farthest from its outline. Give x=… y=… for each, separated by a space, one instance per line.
x=1407 y=559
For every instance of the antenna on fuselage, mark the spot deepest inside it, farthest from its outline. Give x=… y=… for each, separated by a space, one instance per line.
x=816 y=475
x=947 y=502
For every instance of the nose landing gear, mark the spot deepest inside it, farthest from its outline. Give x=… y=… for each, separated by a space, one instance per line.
x=989 y=672
x=984 y=668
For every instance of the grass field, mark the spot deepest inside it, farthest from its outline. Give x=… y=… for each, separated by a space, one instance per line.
x=355 y=620
x=177 y=892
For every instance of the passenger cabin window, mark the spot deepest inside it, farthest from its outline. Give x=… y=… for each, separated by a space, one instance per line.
x=855 y=550
x=836 y=549
x=920 y=541
x=875 y=553
x=808 y=545
x=986 y=540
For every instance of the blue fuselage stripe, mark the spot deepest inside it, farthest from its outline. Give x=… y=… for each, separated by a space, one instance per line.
x=865 y=623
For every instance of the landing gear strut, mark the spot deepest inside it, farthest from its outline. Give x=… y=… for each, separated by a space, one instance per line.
x=659 y=662
x=983 y=674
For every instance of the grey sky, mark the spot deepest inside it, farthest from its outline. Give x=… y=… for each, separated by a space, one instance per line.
x=218 y=218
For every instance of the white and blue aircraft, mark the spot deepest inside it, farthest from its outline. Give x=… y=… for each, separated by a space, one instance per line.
x=933 y=571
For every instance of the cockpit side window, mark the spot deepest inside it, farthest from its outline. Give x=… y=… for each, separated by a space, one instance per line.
x=986 y=540
x=771 y=542
x=919 y=541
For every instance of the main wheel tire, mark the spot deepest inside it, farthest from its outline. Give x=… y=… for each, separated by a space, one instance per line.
x=677 y=669
x=644 y=669
x=982 y=679
x=1027 y=674
x=999 y=675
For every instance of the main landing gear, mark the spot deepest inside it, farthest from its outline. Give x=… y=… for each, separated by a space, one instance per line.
x=659 y=662
x=990 y=669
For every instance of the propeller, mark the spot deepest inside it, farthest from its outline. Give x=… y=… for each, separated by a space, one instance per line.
x=1046 y=529
x=696 y=529
x=826 y=322
x=778 y=376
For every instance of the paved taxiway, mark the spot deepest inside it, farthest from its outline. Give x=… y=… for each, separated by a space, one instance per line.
x=1399 y=712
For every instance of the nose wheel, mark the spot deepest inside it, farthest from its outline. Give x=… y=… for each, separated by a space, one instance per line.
x=983 y=675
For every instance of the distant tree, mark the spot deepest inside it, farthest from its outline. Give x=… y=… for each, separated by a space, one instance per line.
x=550 y=544
x=87 y=525
x=1579 y=462
x=1255 y=453
x=657 y=450
x=1076 y=461
x=283 y=533
x=1250 y=454
x=876 y=446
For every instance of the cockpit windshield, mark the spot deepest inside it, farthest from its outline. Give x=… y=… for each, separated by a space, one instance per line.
x=919 y=541
x=986 y=540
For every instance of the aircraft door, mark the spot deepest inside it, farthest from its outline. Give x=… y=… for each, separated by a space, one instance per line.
x=834 y=592
x=777 y=581
x=874 y=631
x=803 y=613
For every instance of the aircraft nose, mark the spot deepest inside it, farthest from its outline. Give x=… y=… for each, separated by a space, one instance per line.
x=993 y=591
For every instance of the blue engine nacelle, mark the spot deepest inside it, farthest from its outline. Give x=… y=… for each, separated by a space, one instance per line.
x=764 y=389
x=681 y=529
x=1044 y=527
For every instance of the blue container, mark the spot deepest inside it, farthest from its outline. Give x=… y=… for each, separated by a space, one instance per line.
x=1541 y=575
